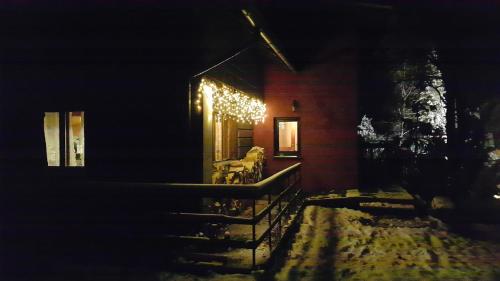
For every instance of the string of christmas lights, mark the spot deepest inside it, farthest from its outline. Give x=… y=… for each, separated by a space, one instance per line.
x=228 y=102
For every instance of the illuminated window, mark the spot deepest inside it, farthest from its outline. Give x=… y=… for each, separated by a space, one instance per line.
x=72 y=154
x=51 y=130
x=286 y=136
x=225 y=139
x=75 y=139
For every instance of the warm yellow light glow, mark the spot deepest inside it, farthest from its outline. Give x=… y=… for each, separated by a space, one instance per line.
x=208 y=93
x=275 y=50
x=228 y=102
x=248 y=17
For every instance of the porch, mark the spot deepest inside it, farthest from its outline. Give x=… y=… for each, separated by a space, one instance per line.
x=160 y=224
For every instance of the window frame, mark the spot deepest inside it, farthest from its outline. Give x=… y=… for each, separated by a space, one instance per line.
x=286 y=154
x=64 y=146
x=226 y=144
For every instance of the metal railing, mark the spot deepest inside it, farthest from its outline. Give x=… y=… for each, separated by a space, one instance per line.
x=281 y=191
x=180 y=210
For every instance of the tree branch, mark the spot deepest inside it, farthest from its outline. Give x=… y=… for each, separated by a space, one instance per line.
x=441 y=97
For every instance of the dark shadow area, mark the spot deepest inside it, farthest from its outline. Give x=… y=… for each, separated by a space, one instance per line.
x=132 y=70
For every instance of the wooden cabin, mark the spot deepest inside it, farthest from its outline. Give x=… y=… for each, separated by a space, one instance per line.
x=103 y=109
x=117 y=90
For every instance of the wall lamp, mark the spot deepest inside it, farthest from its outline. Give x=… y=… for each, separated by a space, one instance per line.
x=295 y=105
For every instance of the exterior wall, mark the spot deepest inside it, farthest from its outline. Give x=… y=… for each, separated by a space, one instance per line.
x=327 y=97
x=129 y=77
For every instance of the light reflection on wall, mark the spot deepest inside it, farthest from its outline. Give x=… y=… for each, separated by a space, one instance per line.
x=288 y=140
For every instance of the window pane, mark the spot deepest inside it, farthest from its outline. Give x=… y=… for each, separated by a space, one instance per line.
x=288 y=140
x=51 y=130
x=230 y=142
x=218 y=139
x=75 y=139
x=225 y=139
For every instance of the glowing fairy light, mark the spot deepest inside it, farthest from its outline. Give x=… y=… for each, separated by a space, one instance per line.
x=228 y=102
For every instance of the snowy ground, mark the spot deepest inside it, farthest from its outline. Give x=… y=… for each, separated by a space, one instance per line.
x=345 y=244
x=352 y=245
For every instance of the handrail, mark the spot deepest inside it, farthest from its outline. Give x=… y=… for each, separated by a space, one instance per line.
x=276 y=219
x=232 y=219
x=281 y=187
x=273 y=204
x=201 y=189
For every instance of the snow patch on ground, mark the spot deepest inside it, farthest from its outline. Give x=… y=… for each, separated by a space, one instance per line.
x=345 y=244
x=369 y=248
x=221 y=277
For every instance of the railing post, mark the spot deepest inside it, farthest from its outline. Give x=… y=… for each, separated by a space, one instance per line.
x=269 y=219
x=299 y=172
x=253 y=234
x=279 y=209
x=295 y=177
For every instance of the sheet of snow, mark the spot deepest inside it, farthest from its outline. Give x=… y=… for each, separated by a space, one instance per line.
x=345 y=244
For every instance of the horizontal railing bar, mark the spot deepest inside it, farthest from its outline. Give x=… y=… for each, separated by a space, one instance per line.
x=263 y=183
x=360 y=199
x=195 y=189
x=276 y=219
x=287 y=233
x=199 y=217
x=246 y=244
x=268 y=208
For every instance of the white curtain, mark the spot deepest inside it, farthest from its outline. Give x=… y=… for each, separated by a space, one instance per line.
x=51 y=130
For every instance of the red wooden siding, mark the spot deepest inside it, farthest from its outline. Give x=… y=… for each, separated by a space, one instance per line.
x=327 y=97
